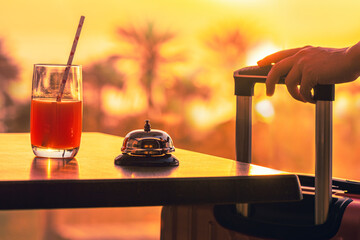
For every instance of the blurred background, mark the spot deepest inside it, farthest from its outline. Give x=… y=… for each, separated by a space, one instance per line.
x=172 y=62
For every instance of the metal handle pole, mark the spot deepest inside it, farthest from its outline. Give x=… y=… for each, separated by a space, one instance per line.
x=323 y=167
x=243 y=128
x=243 y=139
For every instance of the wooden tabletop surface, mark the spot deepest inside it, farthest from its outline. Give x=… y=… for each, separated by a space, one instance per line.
x=92 y=179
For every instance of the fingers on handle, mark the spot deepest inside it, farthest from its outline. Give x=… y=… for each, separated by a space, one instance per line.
x=307 y=84
x=292 y=81
x=278 y=56
x=278 y=70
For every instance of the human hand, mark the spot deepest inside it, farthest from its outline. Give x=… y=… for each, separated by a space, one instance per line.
x=309 y=66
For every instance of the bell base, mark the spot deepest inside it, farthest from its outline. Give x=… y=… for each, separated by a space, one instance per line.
x=167 y=160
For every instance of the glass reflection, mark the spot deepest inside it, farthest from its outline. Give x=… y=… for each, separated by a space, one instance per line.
x=52 y=168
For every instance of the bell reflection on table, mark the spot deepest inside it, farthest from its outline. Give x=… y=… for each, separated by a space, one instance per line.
x=134 y=171
x=52 y=168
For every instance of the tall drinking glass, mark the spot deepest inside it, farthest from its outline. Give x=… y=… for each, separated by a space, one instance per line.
x=55 y=126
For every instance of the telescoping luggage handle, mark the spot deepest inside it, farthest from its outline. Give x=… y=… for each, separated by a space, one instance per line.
x=245 y=80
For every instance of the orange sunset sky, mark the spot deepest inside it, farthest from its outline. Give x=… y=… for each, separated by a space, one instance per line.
x=42 y=31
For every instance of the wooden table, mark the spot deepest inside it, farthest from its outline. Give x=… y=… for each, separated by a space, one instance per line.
x=92 y=179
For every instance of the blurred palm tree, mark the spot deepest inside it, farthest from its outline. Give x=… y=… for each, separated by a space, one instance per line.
x=8 y=72
x=183 y=90
x=230 y=44
x=96 y=77
x=146 y=45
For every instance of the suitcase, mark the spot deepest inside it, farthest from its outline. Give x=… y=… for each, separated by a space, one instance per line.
x=330 y=208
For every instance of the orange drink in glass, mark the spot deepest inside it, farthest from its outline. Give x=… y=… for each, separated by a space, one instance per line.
x=56 y=126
